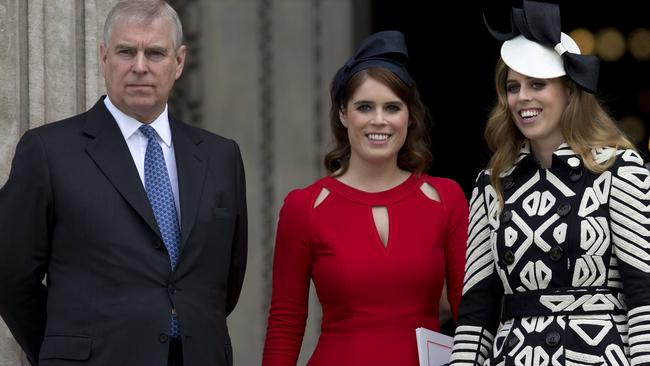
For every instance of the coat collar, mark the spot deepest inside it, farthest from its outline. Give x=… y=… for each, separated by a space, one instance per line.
x=111 y=154
x=191 y=165
x=129 y=125
x=564 y=158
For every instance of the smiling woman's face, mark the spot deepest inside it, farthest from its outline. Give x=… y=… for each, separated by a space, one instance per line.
x=377 y=123
x=536 y=106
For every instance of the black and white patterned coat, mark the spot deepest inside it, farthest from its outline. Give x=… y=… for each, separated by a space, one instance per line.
x=571 y=253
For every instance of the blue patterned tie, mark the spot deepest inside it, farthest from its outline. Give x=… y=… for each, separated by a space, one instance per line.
x=161 y=198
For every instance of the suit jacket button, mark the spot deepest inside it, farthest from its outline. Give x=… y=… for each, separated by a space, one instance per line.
x=563 y=209
x=163 y=338
x=512 y=342
x=552 y=339
x=157 y=244
x=506 y=216
x=556 y=253
x=508 y=257
x=171 y=289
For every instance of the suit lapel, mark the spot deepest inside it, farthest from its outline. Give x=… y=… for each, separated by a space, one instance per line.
x=191 y=167
x=111 y=154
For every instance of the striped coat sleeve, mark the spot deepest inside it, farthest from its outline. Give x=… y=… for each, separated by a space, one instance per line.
x=629 y=205
x=482 y=289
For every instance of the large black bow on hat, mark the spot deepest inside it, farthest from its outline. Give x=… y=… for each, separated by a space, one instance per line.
x=540 y=22
x=385 y=49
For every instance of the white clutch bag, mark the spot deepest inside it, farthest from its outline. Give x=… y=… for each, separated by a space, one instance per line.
x=434 y=348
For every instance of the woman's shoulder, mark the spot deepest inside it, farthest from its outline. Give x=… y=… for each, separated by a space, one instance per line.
x=304 y=196
x=444 y=186
x=621 y=157
x=630 y=157
x=440 y=181
x=628 y=172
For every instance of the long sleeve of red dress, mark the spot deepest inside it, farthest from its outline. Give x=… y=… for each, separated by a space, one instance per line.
x=373 y=295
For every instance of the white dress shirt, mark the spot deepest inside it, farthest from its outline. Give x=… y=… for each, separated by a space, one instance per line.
x=137 y=143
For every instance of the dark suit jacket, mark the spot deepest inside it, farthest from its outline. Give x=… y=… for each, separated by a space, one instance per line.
x=75 y=209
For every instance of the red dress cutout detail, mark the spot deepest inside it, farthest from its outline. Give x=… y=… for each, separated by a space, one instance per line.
x=373 y=297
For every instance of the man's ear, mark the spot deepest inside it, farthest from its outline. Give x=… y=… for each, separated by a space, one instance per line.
x=103 y=53
x=180 y=61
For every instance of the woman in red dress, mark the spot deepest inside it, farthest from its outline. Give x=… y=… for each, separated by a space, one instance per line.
x=378 y=236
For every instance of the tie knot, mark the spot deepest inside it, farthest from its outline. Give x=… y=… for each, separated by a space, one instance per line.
x=148 y=131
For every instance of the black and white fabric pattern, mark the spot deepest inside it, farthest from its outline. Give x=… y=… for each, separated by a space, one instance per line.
x=560 y=275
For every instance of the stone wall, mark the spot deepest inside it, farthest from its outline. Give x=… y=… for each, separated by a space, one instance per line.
x=258 y=71
x=48 y=71
x=268 y=88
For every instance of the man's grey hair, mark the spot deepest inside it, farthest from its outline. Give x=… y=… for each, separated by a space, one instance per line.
x=144 y=12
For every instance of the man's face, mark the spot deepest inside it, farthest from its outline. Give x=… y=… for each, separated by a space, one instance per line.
x=140 y=66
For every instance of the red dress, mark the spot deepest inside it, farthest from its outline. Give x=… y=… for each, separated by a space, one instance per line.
x=373 y=296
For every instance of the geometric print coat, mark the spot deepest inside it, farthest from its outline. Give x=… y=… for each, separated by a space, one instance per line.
x=561 y=275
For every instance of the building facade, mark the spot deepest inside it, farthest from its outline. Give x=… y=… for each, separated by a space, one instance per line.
x=266 y=87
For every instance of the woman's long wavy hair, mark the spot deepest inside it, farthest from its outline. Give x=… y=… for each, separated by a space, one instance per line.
x=585 y=125
x=414 y=156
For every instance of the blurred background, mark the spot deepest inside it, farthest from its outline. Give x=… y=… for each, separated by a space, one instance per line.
x=259 y=71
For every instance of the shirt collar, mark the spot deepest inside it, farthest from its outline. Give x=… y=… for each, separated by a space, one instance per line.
x=563 y=156
x=129 y=125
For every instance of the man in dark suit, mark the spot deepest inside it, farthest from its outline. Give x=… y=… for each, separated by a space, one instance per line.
x=136 y=220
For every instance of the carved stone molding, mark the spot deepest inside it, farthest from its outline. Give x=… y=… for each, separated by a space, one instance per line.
x=186 y=100
x=267 y=126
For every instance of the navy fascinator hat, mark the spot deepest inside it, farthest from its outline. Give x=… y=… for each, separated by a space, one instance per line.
x=385 y=49
x=536 y=47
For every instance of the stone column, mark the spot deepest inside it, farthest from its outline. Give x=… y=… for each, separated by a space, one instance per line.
x=14 y=115
x=49 y=70
x=268 y=88
x=258 y=72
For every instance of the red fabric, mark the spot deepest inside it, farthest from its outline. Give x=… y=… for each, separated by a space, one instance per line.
x=373 y=297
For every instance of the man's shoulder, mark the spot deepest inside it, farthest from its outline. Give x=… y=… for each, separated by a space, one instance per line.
x=200 y=132
x=203 y=136
x=61 y=127
x=76 y=123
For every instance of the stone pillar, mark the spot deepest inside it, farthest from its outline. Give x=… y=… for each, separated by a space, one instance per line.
x=49 y=69
x=13 y=106
x=268 y=88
